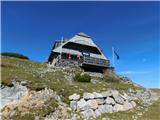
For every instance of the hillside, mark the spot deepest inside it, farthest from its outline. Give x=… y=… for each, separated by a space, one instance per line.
x=48 y=89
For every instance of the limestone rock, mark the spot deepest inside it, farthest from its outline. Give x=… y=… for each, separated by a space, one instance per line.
x=88 y=96
x=117 y=108
x=82 y=105
x=131 y=91
x=101 y=108
x=74 y=97
x=73 y=105
x=97 y=95
x=105 y=108
x=133 y=103
x=97 y=113
x=24 y=82
x=106 y=94
x=93 y=104
x=124 y=97
x=118 y=99
x=114 y=93
x=127 y=106
x=110 y=101
x=88 y=113
x=100 y=101
x=108 y=108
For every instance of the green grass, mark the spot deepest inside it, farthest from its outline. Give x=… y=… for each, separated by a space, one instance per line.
x=18 y=69
x=151 y=114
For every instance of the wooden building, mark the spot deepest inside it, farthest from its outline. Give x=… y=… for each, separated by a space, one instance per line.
x=79 y=50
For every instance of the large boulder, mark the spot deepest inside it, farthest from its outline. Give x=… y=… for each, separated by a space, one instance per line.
x=74 y=97
x=88 y=96
x=93 y=104
x=110 y=101
x=97 y=95
x=82 y=105
x=114 y=93
x=105 y=108
x=106 y=94
x=97 y=113
x=133 y=103
x=118 y=99
x=88 y=113
x=127 y=106
x=123 y=96
x=73 y=105
x=101 y=108
x=108 y=108
x=100 y=101
x=117 y=108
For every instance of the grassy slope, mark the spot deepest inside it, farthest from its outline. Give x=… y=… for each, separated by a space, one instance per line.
x=13 y=68
x=152 y=113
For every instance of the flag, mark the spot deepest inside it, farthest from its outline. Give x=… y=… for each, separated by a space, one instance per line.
x=116 y=55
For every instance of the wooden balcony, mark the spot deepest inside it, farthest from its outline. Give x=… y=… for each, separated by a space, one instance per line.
x=95 y=61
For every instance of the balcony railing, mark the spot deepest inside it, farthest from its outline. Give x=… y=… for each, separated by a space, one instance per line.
x=95 y=61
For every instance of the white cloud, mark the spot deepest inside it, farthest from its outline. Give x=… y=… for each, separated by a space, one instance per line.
x=133 y=72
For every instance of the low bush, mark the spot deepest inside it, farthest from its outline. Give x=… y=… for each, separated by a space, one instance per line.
x=82 y=78
x=110 y=76
x=16 y=55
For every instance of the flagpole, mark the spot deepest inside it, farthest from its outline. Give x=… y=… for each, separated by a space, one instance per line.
x=113 y=57
x=61 y=47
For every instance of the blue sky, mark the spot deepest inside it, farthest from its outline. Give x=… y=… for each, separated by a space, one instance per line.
x=132 y=28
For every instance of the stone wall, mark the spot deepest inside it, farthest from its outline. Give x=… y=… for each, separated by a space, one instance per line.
x=94 y=104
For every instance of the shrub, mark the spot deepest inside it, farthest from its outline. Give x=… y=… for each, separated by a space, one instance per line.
x=110 y=76
x=12 y=54
x=82 y=78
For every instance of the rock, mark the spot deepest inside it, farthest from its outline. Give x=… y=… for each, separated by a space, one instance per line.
x=114 y=92
x=110 y=101
x=131 y=91
x=73 y=105
x=130 y=98
x=14 y=93
x=139 y=114
x=88 y=96
x=118 y=99
x=127 y=106
x=12 y=114
x=108 y=108
x=124 y=97
x=24 y=83
x=88 y=113
x=97 y=95
x=101 y=108
x=94 y=81
x=100 y=101
x=106 y=94
x=97 y=113
x=36 y=118
x=68 y=77
x=105 y=108
x=82 y=105
x=105 y=119
x=117 y=108
x=93 y=104
x=133 y=103
x=74 y=97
